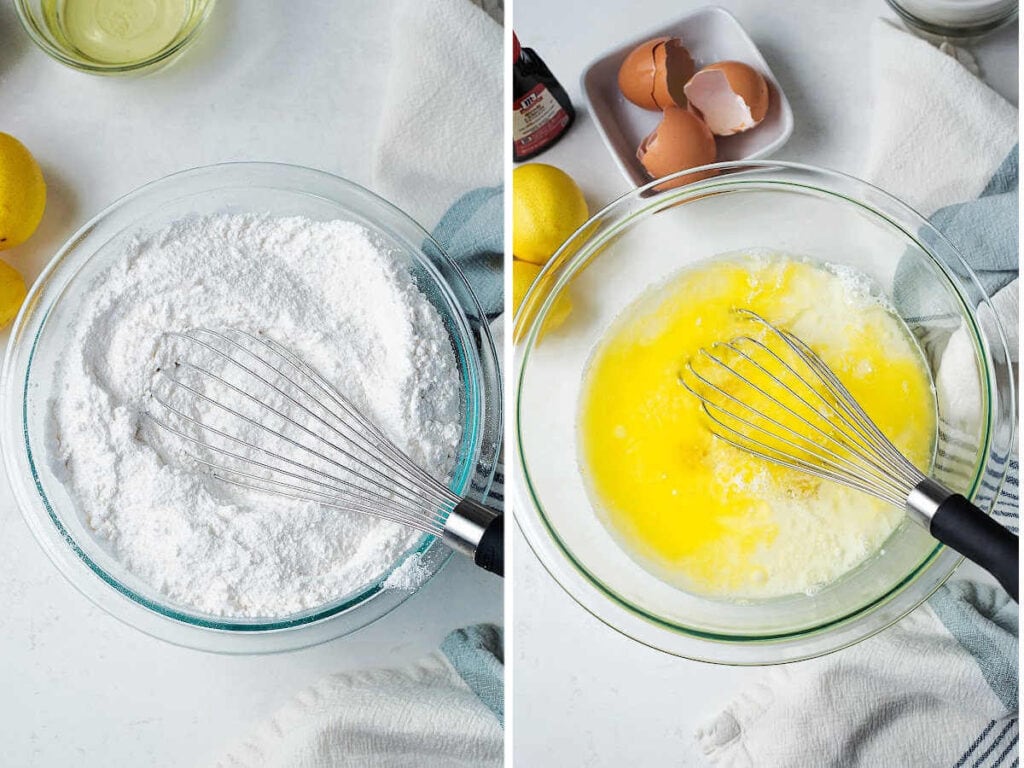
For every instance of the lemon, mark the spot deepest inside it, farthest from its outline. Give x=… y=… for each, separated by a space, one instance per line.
x=22 y=194
x=12 y=293
x=523 y=276
x=547 y=207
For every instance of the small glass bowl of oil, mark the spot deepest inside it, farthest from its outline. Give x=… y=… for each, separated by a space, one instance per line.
x=113 y=37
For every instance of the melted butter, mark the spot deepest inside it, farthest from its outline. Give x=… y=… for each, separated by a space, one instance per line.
x=702 y=514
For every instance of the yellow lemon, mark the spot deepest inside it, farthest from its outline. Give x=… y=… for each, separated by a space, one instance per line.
x=22 y=193
x=523 y=276
x=547 y=207
x=12 y=293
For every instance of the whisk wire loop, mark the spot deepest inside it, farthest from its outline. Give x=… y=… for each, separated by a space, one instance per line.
x=826 y=459
x=301 y=493
x=839 y=432
x=376 y=442
x=773 y=399
x=385 y=443
x=823 y=473
x=795 y=414
x=344 y=488
x=308 y=372
x=856 y=414
x=375 y=481
x=337 y=458
x=384 y=478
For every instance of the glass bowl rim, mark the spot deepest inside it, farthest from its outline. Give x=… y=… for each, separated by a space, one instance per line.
x=574 y=252
x=429 y=548
x=976 y=29
x=28 y=23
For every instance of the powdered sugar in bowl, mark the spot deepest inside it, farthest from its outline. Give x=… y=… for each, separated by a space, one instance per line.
x=84 y=334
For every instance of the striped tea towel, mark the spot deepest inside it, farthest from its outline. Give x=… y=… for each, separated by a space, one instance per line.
x=939 y=688
x=913 y=696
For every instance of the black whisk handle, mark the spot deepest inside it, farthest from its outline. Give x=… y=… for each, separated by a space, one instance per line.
x=477 y=532
x=964 y=527
x=490 y=552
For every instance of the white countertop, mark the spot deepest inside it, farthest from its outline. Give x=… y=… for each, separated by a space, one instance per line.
x=264 y=82
x=582 y=693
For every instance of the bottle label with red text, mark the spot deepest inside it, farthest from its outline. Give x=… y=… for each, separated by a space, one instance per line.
x=538 y=120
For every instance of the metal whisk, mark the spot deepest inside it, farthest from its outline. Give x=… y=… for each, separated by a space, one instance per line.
x=255 y=415
x=771 y=395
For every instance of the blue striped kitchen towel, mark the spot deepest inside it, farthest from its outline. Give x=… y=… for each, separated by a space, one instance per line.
x=985 y=626
x=930 y=106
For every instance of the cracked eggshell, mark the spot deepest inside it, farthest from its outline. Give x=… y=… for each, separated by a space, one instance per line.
x=673 y=68
x=730 y=96
x=654 y=74
x=636 y=75
x=680 y=141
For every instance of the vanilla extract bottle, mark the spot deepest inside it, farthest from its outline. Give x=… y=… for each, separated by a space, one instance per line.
x=542 y=112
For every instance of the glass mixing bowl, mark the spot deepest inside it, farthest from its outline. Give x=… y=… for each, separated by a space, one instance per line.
x=41 y=19
x=639 y=241
x=37 y=340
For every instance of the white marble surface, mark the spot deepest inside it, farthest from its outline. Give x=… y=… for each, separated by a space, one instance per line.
x=583 y=694
x=264 y=82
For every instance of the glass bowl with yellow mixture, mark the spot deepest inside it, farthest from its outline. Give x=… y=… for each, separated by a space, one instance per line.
x=684 y=542
x=113 y=37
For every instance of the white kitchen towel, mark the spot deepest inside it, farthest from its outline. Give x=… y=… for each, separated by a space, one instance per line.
x=439 y=154
x=939 y=688
x=911 y=696
x=939 y=133
x=441 y=131
x=442 y=712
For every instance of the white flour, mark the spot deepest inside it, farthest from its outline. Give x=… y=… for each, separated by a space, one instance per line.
x=333 y=297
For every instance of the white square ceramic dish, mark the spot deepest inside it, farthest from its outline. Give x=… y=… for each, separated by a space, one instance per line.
x=710 y=34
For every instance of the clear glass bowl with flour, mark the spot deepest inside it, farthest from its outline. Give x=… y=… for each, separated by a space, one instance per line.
x=643 y=240
x=348 y=282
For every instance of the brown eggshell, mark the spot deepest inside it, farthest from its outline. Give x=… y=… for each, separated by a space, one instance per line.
x=680 y=141
x=730 y=96
x=636 y=75
x=673 y=68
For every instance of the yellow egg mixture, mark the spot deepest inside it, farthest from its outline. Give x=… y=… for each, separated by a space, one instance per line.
x=700 y=513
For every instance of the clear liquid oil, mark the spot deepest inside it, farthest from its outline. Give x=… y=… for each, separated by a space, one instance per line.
x=116 y=31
